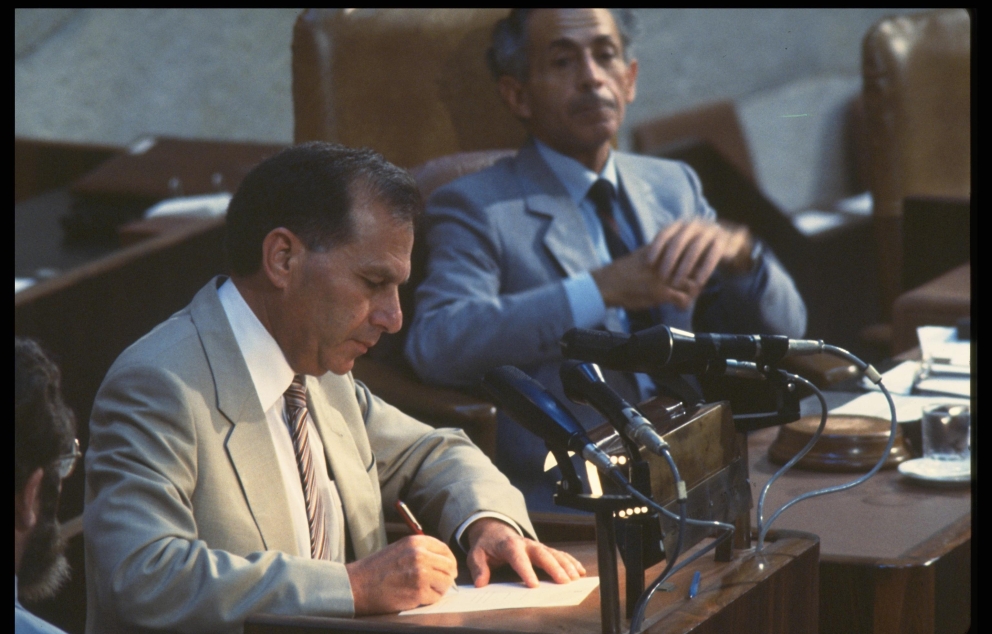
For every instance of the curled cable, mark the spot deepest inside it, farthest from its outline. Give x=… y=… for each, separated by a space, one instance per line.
x=875 y=378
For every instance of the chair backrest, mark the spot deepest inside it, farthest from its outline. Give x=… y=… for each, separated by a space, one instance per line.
x=410 y=83
x=715 y=123
x=917 y=94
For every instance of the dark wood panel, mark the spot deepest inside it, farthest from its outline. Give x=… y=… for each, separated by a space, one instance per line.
x=86 y=317
x=43 y=165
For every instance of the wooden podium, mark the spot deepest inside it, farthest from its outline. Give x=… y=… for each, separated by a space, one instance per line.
x=775 y=592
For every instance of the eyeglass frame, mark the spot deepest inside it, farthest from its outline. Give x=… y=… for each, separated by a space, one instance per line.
x=67 y=462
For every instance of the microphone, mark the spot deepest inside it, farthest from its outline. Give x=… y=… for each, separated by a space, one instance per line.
x=530 y=404
x=584 y=384
x=655 y=348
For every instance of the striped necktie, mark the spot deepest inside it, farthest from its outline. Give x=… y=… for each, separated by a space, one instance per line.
x=297 y=417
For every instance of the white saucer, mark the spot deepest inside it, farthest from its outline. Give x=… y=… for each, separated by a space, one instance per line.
x=937 y=471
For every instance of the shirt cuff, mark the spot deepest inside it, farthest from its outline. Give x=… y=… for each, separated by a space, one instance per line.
x=478 y=516
x=585 y=300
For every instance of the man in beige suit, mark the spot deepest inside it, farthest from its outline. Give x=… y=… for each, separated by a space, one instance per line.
x=207 y=500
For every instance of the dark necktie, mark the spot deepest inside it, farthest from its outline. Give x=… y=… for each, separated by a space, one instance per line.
x=602 y=195
x=297 y=417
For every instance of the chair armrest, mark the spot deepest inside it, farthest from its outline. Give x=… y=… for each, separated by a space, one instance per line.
x=436 y=406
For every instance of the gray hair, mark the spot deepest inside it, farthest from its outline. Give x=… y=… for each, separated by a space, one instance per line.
x=508 y=53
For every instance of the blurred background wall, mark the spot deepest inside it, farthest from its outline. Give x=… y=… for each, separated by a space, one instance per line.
x=109 y=75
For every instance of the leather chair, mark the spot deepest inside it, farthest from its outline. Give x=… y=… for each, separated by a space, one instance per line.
x=715 y=123
x=917 y=94
x=411 y=83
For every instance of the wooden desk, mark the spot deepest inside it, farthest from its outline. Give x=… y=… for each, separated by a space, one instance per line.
x=774 y=593
x=895 y=556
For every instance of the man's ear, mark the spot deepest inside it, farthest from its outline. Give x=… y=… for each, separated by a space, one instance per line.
x=631 y=90
x=27 y=503
x=282 y=252
x=514 y=96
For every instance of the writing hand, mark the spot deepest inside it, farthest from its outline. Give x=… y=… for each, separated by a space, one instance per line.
x=494 y=543
x=416 y=570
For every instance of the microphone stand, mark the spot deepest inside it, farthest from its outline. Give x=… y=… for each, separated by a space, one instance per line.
x=640 y=536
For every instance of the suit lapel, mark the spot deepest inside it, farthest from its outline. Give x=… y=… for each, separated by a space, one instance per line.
x=361 y=500
x=566 y=238
x=650 y=214
x=249 y=444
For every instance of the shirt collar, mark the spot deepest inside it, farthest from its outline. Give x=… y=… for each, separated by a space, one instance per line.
x=574 y=176
x=270 y=372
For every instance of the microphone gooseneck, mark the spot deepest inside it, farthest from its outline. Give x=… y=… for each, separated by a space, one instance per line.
x=530 y=404
x=584 y=384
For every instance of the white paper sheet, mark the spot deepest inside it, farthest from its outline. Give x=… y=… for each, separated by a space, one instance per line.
x=502 y=596
x=953 y=380
x=959 y=385
x=941 y=345
x=898 y=380
x=908 y=408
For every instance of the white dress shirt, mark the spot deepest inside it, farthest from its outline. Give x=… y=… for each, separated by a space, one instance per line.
x=272 y=376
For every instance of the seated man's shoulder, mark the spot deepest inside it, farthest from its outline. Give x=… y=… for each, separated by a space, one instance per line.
x=487 y=187
x=174 y=347
x=651 y=167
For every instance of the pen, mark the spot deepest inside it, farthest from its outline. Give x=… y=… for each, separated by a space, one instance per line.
x=415 y=526
x=408 y=517
x=694 y=586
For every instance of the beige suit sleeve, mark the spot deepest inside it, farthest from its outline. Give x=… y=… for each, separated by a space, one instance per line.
x=170 y=540
x=440 y=473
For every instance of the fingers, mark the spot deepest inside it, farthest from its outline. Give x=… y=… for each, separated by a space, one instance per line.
x=698 y=273
x=701 y=248
x=414 y=571
x=561 y=566
x=523 y=555
x=519 y=559
x=674 y=267
x=478 y=567
x=661 y=240
x=675 y=249
x=692 y=251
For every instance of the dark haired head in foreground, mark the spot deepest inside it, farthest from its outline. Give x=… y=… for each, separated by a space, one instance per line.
x=45 y=452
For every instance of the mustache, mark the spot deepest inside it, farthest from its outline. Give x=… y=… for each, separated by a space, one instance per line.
x=590 y=101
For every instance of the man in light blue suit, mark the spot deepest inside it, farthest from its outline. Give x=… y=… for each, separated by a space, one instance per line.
x=569 y=233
